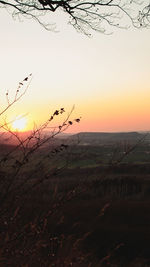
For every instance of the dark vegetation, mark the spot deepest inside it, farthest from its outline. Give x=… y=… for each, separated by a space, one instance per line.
x=79 y=205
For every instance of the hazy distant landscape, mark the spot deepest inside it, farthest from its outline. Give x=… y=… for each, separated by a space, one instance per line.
x=91 y=149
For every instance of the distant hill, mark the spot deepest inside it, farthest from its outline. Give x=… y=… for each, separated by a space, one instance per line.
x=99 y=138
x=82 y=138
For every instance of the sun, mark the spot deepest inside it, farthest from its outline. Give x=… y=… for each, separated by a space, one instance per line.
x=19 y=124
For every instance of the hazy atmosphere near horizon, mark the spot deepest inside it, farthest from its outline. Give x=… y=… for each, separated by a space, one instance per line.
x=106 y=77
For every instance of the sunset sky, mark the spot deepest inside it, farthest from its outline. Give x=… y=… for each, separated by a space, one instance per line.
x=106 y=77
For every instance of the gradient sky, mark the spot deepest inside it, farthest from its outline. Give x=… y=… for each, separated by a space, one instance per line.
x=106 y=77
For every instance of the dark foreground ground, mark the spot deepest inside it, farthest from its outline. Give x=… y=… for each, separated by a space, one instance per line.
x=79 y=217
x=87 y=206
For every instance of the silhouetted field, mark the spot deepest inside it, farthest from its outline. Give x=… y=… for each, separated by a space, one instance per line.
x=87 y=210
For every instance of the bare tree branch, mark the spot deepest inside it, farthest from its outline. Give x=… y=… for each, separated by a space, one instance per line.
x=85 y=15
